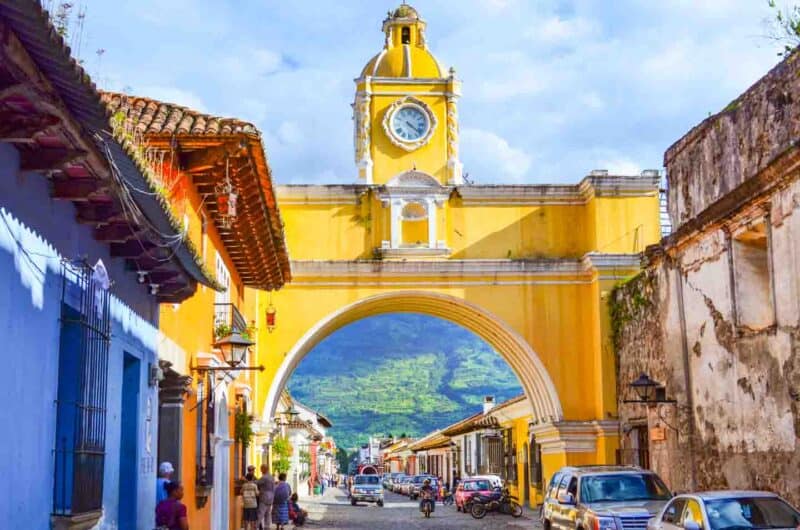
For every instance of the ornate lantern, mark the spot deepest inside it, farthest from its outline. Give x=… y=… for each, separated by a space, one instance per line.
x=234 y=348
x=271 y=311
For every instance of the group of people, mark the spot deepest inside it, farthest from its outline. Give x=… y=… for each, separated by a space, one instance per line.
x=264 y=500
x=322 y=483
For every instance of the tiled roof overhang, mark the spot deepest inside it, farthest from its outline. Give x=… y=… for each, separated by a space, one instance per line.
x=63 y=85
x=206 y=145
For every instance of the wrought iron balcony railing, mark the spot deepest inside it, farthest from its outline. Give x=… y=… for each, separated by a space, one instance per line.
x=229 y=315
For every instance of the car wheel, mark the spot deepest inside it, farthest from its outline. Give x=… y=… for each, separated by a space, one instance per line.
x=352 y=502
x=380 y=503
x=546 y=524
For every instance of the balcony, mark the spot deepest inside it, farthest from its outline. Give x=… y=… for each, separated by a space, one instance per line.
x=228 y=315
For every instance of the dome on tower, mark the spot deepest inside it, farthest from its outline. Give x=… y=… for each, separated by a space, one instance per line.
x=405 y=53
x=405 y=11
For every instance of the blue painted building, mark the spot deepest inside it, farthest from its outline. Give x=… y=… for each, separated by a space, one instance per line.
x=80 y=227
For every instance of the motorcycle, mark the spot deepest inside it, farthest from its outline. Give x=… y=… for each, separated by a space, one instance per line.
x=426 y=506
x=502 y=502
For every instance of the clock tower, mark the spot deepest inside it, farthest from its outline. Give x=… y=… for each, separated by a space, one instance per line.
x=405 y=111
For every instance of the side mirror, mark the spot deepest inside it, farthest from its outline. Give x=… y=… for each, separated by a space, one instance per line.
x=569 y=499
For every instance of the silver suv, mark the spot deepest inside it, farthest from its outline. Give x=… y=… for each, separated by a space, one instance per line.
x=602 y=498
x=366 y=488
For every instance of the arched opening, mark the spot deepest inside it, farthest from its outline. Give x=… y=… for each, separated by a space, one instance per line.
x=405 y=35
x=527 y=366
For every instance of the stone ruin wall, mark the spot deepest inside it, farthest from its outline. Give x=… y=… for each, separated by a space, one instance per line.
x=736 y=144
x=745 y=382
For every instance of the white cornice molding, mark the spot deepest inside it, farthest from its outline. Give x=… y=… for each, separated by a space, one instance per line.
x=321 y=194
x=591 y=186
x=443 y=268
x=572 y=437
x=490 y=194
x=611 y=262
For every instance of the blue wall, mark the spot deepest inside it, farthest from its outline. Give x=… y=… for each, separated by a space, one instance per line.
x=30 y=295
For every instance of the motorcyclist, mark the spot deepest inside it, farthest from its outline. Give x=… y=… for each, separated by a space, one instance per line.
x=427 y=493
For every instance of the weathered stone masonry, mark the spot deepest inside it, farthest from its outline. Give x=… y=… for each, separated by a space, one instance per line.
x=715 y=316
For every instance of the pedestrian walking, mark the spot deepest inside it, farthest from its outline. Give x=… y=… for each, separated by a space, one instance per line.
x=310 y=486
x=322 y=485
x=250 y=499
x=283 y=493
x=171 y=512
x=165 y=472
x=266 y=494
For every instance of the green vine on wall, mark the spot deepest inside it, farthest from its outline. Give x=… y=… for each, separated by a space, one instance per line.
x=626 y=302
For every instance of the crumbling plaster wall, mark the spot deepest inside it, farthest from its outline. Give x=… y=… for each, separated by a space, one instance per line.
x=741 y=428
x=736 y=144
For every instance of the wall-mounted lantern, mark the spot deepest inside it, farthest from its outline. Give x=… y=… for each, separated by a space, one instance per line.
x=271 y=314
x=648 y=391
x=234 y=349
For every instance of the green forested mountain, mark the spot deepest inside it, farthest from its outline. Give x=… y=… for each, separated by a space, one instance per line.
x=400 y=374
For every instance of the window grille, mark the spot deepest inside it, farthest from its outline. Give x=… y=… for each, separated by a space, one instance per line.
x=509 y=455
x=204 y=462
x=82 y=386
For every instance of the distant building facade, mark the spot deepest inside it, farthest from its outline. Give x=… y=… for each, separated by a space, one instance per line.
x=715 y=317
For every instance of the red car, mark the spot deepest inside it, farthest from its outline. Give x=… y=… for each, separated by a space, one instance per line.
x=468 y=488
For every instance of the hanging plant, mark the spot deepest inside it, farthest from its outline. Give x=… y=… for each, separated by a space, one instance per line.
x=222 y=330
x=243 y=427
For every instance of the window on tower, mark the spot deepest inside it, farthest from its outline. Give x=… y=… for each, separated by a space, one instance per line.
x=405 y=35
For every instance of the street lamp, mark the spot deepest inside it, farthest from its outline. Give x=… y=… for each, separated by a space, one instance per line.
x=648 y=391
x=234 y=347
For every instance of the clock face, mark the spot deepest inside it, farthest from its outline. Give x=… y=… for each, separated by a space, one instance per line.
x=409 y=123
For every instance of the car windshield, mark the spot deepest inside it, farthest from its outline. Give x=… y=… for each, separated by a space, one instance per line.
x=477 y=485
x=367 y=479
x=623 y=487
x=751 y=512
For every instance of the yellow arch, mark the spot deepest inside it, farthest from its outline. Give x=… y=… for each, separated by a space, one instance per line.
x=508 y=343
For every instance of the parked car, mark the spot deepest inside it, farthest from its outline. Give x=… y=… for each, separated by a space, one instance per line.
x=393 y=480
x=418 y=481
x=733 y=510
x=494 y=480
x=469 y=488
x=366 y=488
x=402 y=486
x=602 y=498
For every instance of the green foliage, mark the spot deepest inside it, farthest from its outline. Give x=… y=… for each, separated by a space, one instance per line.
x=626 y=301
x=785 y=27
x=405 y=374
x=305 y=457
x=222 y=330
x=243 y=427
x=281 y=451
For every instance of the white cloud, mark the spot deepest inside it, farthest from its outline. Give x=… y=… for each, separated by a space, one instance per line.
x=619 y=165
x=169 y=94
x=557 y=30
x=490 y=158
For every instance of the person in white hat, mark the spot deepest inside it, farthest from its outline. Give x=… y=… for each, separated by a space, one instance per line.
x=165 y=471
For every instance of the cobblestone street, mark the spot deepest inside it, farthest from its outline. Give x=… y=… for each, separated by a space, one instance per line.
x=333 y=510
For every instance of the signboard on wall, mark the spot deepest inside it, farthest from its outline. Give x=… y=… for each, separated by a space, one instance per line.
x=658 y=434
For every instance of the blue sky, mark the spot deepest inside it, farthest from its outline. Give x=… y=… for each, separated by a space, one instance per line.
x=552 y=89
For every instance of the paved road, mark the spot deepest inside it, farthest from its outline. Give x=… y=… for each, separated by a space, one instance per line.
x=333 y=510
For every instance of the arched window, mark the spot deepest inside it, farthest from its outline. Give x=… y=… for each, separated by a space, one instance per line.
x=414 y=211
x=405 y=35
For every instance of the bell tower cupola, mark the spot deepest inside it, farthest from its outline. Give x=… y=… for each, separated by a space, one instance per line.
x=405 y=110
